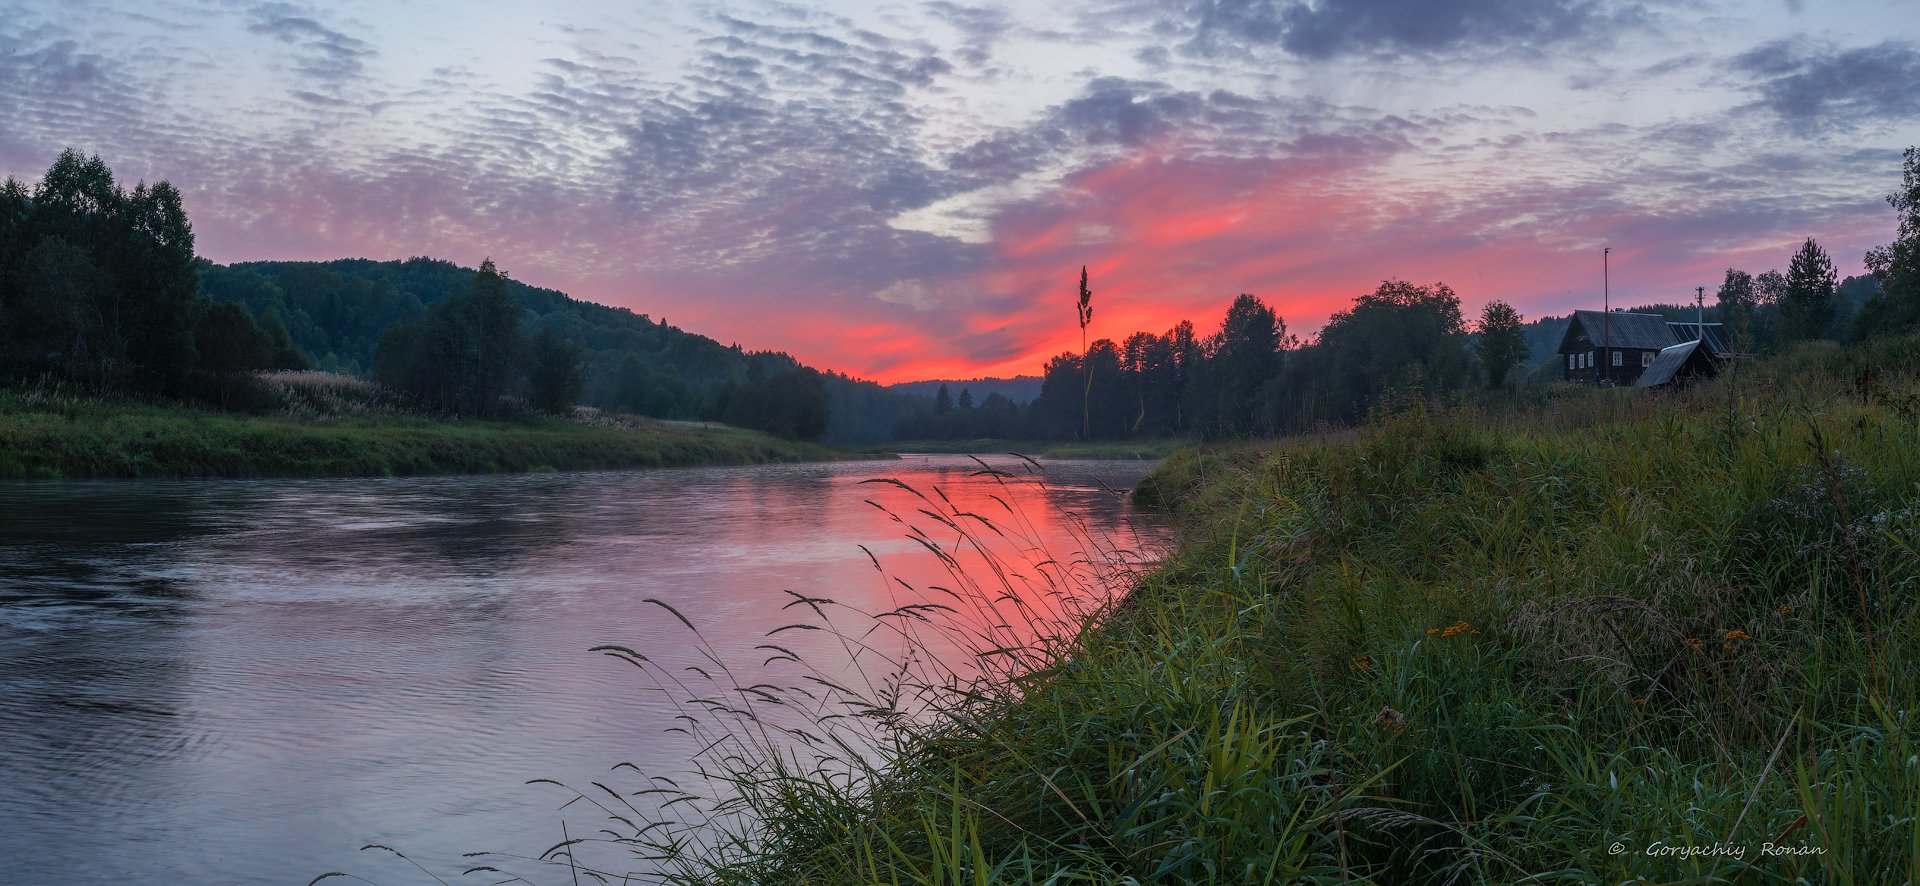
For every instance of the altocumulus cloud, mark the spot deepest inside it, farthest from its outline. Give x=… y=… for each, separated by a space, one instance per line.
x=1827 y=86
x=1476 y=28
x=858 y=189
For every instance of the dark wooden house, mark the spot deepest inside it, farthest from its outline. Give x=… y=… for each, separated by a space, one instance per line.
x=1602 y=347
x=1617 y=347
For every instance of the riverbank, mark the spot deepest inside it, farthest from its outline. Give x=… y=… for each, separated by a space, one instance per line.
x=44 y=437
x=1608 y=637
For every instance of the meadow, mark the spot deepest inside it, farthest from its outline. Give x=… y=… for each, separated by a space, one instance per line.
x=321 y=424
x=1582 y=636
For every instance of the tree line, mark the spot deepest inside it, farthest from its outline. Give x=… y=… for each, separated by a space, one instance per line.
x=99 y=285
x=1250 y=376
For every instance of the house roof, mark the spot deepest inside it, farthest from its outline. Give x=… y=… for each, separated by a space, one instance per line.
x=1668 y=364
x=1621 y=329
x=1715 y=334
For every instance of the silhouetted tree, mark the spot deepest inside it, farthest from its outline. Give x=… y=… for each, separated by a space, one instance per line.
x=633 y=385
x=1896 y=307
x=1806 y=306
x=996 y=417
x=461 y=356
x=1107 y=412
x=1246 y=354
x=558 y=373
x=230 y=347
x=789 y=402
x=162 y=279
x=284 y=353
x=1738 y=304
x=1396 y=337
x=1051 y=415
x=942 y=401
x=61 y=316
x=493 y=341
x=1501 y=344
x=966 y=400
x=97 y=283
x=16 y=206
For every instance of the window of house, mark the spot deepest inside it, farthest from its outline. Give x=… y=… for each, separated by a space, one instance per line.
x=1646 y=359
x=1616 y=358
x=1573 y=361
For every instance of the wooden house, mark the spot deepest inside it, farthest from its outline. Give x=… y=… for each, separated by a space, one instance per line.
x=1612 y=347
x=1682 y=364
x=1618 y=347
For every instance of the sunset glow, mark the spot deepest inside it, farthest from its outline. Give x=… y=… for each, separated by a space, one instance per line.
x=910 y=193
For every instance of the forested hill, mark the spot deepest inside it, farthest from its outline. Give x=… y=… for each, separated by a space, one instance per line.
x=1021 y=389
x=336 y=311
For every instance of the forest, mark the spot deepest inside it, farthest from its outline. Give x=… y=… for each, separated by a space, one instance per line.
x=101 y=286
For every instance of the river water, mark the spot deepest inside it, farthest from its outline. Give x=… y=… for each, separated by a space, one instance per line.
x=247 y=681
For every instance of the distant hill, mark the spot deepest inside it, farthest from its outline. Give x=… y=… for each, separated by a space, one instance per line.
x=337 y=310
x=1543 y=337
x=1021 y=389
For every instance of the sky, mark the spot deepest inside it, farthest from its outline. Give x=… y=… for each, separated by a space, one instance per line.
x=903 y=191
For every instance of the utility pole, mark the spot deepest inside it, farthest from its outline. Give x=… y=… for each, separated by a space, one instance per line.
x=1700 y=313
x=1606 y=311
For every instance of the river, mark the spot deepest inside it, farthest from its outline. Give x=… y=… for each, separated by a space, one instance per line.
x=246 y=681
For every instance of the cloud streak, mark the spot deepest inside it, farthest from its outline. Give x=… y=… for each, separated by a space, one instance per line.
x=911 y=194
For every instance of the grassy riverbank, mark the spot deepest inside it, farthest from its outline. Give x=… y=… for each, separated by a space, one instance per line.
x=1604 y=637
x=62 y=435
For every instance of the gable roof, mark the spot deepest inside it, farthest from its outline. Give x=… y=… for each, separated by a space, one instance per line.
x=1715 y=334
x=1621 y=329
x=1668 y=364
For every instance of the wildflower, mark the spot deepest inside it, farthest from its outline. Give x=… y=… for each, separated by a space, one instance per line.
x=1696 y=643
x=1640 y=701
x=1360 y=663
x=1738 y=635
x=1390 y=720
x=1455 y=629
x=1786 y=608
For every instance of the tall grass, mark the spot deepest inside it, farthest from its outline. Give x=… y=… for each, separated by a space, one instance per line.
x=1605 y=636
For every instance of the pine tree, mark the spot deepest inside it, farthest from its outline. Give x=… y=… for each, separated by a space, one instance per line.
x=1806 y=307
